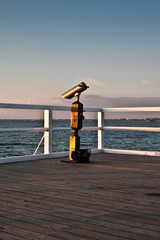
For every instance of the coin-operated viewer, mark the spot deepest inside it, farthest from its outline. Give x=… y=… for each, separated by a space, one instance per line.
x=76 y=154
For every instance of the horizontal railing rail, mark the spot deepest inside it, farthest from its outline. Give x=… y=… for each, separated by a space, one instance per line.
x=143 y=129
x=132 y=109
x=44 y=107
x=16 y=130
x=47 y=129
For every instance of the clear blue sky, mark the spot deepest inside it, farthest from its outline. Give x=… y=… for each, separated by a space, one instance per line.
x=48 y=46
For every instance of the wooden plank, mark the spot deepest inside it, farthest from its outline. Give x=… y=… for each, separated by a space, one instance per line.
x=9 y=236
x=104 y=220
x=91 y=211
x=101 y=197
x=105 y=199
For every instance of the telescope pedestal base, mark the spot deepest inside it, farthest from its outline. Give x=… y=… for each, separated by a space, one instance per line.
x=70 y=161
x=79 y=156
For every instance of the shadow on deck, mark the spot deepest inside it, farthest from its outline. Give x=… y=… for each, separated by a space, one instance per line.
x=113 y=197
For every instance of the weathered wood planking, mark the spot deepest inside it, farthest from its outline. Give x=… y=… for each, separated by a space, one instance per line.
x=113 y=197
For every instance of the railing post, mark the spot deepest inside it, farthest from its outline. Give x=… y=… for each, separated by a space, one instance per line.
x=101 y=131
x=48 y=134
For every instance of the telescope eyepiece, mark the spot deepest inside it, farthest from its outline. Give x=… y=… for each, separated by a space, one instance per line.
x=75 y=91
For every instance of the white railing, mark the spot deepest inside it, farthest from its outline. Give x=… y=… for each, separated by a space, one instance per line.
x=148 y=129
x=48 y=129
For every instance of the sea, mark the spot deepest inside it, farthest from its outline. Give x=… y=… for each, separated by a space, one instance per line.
x=19 y=144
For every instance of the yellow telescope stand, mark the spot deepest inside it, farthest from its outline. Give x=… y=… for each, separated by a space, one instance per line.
x=75 y=153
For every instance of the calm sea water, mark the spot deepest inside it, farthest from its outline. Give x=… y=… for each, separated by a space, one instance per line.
x=18 y=144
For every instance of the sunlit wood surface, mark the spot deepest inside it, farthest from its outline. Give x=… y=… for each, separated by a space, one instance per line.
x=113 y=197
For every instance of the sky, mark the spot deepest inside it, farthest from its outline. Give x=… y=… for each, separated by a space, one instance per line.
x=49 y=46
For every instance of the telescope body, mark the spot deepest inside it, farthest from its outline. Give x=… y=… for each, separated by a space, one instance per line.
x=75 y=90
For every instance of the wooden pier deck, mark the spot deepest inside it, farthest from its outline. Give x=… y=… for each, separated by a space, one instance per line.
x=113 y=197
